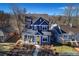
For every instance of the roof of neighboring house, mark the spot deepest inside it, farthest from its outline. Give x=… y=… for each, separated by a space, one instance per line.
x=67 y=28
x=7 y=29
x=41 y=21
x=1 y=33
x=28 y=17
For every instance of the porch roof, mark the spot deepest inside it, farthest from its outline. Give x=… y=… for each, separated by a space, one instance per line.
x=32 y=32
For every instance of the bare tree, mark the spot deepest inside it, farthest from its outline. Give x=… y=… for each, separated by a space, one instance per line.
x=19 y=14
x=72 y=13
x=77 y=15
x=4 y=19
x=69 y=13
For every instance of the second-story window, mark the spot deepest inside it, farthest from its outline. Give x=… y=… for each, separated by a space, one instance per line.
x=44 y=28
x=35 y=27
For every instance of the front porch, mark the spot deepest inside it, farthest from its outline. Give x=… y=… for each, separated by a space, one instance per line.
x=37 y=39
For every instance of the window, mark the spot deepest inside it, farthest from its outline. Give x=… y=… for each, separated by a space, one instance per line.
x=43 y=27
x=70 y=37
x=25 y=26
x=30 y=38
x=35 y=27
x=45 y=38
x=66 y=37
x=40 y=27
x=25 y=36
x=73 y=39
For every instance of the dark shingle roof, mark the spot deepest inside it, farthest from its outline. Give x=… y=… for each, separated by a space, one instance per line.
x=7 y=29
x=67 y=28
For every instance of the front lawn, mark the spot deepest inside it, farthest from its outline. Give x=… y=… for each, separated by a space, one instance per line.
x=6 y=46
x=64 y=48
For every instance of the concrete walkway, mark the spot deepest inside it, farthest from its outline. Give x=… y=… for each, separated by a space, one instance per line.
x=36 y=50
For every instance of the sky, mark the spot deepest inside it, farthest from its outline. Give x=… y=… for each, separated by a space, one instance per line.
x=41 y=8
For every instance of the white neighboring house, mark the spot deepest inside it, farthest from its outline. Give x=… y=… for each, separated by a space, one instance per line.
x=66 y=37
x=70 y=37
x=2 y=36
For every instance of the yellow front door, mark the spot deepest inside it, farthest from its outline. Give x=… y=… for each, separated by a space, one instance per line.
x=38 y=39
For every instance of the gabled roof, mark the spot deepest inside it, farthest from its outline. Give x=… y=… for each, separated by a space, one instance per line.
x=45 y=22
x=41 y=21
x=38 y=21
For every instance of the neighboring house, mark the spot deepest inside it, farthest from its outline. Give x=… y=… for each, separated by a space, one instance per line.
x=38 y=33
x=10 y=34
x=71 y=33
x=6 y=34
x=77 y=36
x=68 y=37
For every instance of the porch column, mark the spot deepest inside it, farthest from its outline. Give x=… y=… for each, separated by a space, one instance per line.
x=49 y=39
x=34 y=39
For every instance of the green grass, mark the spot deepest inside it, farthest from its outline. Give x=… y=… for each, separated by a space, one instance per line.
x=64 y=48
x=6 y=46
x=60 y=49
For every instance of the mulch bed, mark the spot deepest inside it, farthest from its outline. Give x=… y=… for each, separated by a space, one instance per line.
x=28 y=50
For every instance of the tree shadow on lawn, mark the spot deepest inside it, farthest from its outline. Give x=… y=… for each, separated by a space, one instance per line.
x=57 y=44
x=60 y=44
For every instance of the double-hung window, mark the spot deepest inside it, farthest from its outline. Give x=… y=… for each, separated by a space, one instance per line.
x=35 y=27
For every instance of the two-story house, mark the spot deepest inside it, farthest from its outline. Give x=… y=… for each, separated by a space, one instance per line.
x=38 y=33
